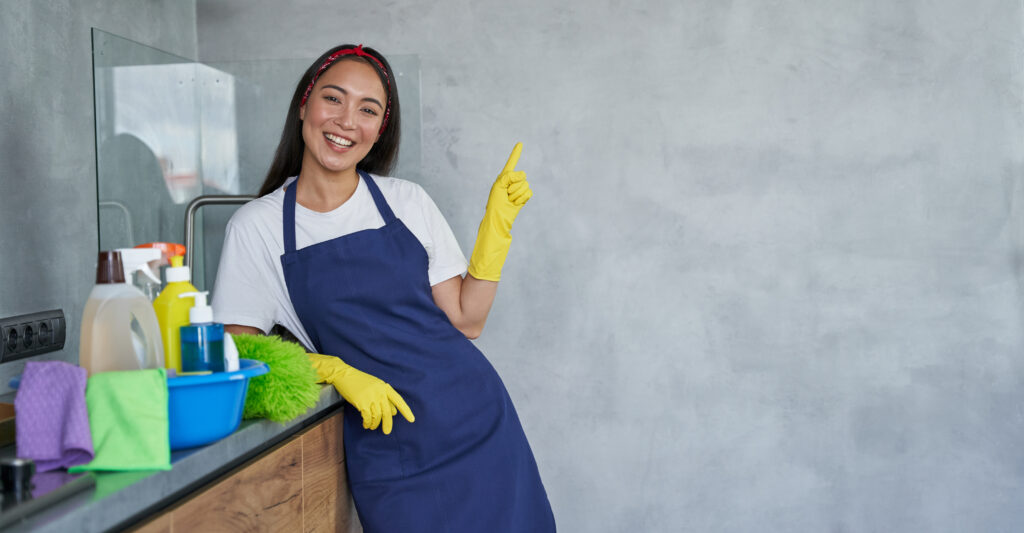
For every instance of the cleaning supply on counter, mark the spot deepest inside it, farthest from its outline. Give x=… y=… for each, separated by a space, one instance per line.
x=202 y=341
x=172 y=311
x=230 y=353
x=203 y=409
x=289 y=389
x=128 y=418
x=167 y=250
x=139 y=265
x=52 y=425
x=119 y=326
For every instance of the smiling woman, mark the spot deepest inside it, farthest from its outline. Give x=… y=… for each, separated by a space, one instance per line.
x=340 y=124
x=381 y=157
x=364 y=268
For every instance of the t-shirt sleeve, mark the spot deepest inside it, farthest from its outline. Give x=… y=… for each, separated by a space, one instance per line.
x=445 y=257
x=240 y=295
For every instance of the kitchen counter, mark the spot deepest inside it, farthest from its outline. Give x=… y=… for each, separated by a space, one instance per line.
x=126 y=499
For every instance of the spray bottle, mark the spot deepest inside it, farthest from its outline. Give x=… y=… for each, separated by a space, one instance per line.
x=141 y=261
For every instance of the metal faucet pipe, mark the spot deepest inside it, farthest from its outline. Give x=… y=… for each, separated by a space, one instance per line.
x=190 y=213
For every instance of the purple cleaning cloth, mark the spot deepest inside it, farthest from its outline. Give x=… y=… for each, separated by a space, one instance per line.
x=51 y=419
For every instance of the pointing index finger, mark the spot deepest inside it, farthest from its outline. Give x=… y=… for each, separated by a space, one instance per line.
x=514 y=158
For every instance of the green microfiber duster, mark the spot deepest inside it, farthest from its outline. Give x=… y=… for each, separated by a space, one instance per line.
x=289 y=389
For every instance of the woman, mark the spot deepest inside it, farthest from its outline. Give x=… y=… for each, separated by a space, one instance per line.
x=365 y=268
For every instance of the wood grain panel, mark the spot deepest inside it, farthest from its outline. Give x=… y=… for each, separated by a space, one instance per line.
x=265 y=495
x=161 y=524
x=326 y=500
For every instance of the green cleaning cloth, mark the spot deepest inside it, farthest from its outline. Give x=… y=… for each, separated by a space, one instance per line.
x=289 y=389
x=128 y=421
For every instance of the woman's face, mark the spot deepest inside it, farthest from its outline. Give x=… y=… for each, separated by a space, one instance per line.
x=342 y=117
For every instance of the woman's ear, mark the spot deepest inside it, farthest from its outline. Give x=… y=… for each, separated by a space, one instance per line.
x=302 y=112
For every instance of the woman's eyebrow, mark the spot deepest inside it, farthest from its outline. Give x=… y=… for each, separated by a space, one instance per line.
x=343 y=91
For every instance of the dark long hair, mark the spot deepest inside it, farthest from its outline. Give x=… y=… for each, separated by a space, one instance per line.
x=288 y=157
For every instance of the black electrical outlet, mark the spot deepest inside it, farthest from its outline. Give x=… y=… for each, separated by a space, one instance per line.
x=33 y=334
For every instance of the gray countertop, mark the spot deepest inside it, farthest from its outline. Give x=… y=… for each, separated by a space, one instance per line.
x=120 y=499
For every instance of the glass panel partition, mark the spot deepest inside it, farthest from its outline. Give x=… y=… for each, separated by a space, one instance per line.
x=165 y=134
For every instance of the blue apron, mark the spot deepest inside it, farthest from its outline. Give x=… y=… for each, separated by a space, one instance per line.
x=465 y=464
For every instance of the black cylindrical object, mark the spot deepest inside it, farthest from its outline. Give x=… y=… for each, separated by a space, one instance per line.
x=16 y=477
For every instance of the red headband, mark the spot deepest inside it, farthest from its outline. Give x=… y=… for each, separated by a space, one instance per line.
x=361 y=53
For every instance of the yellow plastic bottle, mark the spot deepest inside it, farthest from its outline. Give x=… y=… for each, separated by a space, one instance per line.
x=172 y=311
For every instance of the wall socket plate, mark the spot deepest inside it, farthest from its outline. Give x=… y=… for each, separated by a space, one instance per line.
x=27 y=335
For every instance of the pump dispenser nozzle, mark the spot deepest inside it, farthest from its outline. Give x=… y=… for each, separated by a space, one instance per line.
x=200 y=312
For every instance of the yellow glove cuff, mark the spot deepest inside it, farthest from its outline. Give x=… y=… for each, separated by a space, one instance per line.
x=489 y=252
x=328 y=368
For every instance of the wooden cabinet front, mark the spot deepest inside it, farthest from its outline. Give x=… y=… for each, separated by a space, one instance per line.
x=300 y=485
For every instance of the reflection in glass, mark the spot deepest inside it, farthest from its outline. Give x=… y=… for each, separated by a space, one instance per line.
x=165 y=134
x=218 y=134
x=157 y=105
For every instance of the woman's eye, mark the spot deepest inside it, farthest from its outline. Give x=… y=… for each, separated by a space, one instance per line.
x=369 y=111
x=332 y=99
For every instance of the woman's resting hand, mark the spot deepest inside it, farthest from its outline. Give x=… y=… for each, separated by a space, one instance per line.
x=377 y=401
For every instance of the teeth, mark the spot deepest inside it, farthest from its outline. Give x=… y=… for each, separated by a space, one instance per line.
x=338 y=140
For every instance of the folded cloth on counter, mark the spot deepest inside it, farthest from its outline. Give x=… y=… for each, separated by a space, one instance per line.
x=129 y=421
x=51 y=418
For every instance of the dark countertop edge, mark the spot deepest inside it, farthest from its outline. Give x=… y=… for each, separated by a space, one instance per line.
x=158 y=490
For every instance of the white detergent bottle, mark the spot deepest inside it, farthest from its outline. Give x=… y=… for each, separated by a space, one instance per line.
x=119 y=327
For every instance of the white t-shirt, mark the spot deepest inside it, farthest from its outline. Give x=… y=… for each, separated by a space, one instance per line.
x=250 y=288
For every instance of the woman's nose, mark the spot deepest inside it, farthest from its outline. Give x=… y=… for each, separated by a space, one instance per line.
x=345 y=118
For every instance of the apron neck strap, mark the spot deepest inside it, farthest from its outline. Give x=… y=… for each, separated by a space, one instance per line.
x=289 y=218
x=378 y=198
x=289 y=209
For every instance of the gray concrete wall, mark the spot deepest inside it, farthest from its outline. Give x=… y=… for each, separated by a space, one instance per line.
x=48 y=213
x=770 y=278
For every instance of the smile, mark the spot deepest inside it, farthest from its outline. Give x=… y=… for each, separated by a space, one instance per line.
x=339 y=141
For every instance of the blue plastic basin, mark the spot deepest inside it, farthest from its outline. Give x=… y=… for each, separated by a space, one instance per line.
x=208 y=408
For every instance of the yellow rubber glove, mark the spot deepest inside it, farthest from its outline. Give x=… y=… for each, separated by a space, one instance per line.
x=508 y=195
x=374 y=399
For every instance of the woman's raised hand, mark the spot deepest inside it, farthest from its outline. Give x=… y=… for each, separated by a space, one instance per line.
x=509 y=194
x=511 y=187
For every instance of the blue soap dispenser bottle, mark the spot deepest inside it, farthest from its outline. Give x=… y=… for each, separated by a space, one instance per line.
x=202 y=341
